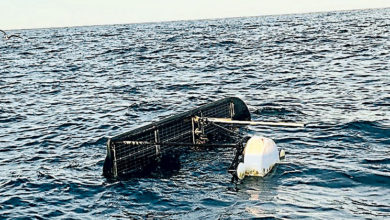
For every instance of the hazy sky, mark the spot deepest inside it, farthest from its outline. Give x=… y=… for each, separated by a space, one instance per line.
x=18 y=14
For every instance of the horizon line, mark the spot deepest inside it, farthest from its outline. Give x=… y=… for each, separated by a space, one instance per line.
x=195 y=19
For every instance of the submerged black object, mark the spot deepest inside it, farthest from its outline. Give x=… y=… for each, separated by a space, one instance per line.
x=136 y=151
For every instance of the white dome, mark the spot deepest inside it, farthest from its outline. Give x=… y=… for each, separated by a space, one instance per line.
x=260 y=156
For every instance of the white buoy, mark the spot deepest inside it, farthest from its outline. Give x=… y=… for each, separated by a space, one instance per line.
x=260 y=156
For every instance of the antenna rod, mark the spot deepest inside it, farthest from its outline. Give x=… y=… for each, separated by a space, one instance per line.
x=183 y=144
x=264 y=123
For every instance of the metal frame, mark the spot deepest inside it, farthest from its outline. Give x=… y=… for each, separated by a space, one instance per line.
x=127 y=160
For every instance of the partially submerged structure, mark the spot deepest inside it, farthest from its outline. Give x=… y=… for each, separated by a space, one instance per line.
x=212 y=125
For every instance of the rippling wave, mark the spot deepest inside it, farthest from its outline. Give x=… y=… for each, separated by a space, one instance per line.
x=64 y=91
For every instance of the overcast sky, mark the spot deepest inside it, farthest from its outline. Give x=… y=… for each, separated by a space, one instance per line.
x=21 y=14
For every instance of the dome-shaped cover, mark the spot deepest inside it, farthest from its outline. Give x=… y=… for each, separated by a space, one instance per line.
x=260 y=156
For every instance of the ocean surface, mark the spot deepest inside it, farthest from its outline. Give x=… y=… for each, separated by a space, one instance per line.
x=64 y=91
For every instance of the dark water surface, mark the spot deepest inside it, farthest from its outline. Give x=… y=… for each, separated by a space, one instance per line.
x=64 y=91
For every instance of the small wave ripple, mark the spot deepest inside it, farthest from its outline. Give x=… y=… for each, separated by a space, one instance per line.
x=64 y=91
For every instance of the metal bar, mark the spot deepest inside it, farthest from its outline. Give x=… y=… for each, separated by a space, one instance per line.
x=115 y=164
x=193 y=130
x=176 y=144
x=157 y=139
x=229 y=121
x=232 y=110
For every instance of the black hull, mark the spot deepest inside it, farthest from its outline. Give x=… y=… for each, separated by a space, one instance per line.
x=125 y=160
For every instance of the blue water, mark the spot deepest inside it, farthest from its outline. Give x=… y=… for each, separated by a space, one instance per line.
x=64 y=91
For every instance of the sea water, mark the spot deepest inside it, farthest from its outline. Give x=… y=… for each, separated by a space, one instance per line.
x=64 y=91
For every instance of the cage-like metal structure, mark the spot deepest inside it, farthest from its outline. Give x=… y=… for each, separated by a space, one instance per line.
x=125 y=160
